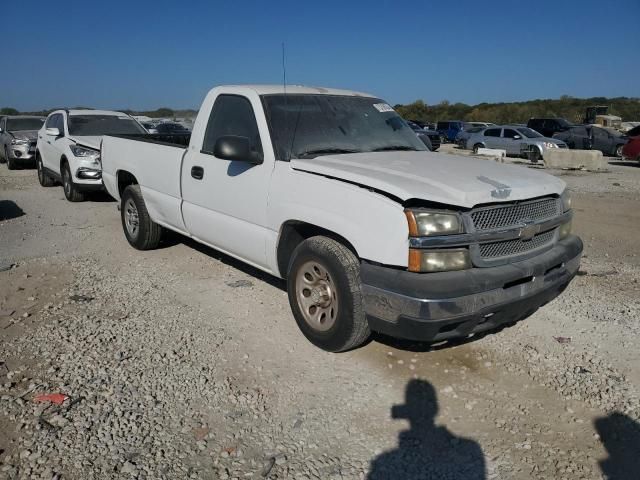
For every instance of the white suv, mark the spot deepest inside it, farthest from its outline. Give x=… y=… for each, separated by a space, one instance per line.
x=68 y=148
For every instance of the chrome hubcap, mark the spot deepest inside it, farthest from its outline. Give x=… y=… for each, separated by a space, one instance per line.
x=316 y=295
x=131 y=219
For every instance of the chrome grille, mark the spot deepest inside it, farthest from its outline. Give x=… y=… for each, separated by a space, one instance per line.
x=490 y=218
x=515 y=247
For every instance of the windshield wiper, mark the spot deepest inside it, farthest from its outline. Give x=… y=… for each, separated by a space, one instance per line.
x=395 y=147
x=324 y=151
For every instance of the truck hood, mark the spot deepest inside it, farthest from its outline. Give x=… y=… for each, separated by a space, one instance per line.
x=91 y=141
x=436 y=177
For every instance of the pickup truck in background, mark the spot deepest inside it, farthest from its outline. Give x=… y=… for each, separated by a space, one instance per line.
x=332 y=191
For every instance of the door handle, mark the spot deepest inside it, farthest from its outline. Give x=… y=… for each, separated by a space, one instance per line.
x=197 y=172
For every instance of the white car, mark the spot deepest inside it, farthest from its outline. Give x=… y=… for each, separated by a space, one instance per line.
x=68 y=148
x=333 y=191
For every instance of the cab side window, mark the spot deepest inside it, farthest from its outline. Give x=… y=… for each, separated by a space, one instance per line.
x=232 y=115
x=50 y=121
x=492 y=132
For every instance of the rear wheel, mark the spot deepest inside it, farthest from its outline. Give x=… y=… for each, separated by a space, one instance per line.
x=323 y=284
x=71 y=191
x=44 y=179
x=142 y=233
x=477 y=147
x=619 y=151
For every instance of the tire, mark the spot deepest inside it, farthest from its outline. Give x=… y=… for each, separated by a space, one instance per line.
x=323 y=284
x=535 y=156
x=3 y=156
x=44 y=179
x=11 y=165
x=142 y=233
x=618 y=152
x=71 y=191
x=477 y=147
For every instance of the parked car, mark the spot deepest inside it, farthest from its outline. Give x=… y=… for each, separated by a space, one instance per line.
x=171 y=127
x=631 y=149
x=480 y=124
x=430 y=138
x=150 y=127
x=330 y=190
x=516 y=140
x=68 y=148
x=448 y=130
x=18 y=138
x=424 y=125
x=463 y=135
x=591 y=137
x=547 y=127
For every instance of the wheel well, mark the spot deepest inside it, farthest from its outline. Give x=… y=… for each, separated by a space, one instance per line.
x=294 y=232
x=124 y=180
x=63 y=160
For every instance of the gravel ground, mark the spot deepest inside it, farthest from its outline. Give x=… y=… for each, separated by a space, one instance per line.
x=183 y=363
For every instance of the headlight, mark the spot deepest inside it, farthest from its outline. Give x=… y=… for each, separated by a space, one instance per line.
x=438 y=260
x=425 y=222
x=88 y=153
x=565 y=230
x=19 y=141
x=566 y=200
x=549 y=145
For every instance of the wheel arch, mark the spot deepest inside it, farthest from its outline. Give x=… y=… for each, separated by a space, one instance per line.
x=125 y=178
x=294 y=232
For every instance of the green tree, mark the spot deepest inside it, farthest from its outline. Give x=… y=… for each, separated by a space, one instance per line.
x=9 y=111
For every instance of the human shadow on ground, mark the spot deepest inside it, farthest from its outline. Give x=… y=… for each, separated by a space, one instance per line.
x=620 y=436
x=9 y=209
x=426 y=450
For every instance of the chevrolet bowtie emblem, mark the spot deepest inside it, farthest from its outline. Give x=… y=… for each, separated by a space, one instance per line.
x=529 y=231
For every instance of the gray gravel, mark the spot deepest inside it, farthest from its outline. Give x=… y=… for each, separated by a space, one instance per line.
x=182 y=363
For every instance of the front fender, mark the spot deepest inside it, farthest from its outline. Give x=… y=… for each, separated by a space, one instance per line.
x=373 y=223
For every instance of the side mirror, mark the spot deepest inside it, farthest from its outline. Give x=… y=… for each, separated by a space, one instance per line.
x=232 y=147
x=53 y=132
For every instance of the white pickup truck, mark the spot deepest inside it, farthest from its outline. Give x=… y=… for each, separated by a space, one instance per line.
x=332 y=191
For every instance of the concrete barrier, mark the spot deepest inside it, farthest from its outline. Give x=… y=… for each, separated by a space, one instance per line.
x=495 y=153
x=591 y=160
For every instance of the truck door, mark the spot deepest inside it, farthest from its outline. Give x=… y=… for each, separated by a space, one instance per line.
x=225 y=201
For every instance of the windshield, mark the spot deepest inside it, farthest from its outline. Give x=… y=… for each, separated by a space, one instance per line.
x=305 y=126
x=529 y=133
x=17 y=124
x=103 y=125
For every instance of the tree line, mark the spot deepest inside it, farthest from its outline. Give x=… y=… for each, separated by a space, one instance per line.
x=158 y=113
x=573 y=109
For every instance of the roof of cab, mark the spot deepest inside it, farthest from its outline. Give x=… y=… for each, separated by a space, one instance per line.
x=297 y=89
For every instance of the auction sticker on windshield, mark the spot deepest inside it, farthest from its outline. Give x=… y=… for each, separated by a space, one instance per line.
x=383 y=107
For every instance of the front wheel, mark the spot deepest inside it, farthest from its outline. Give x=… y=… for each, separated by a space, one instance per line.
x=71 y=191
x=477 y=147
x=44 y=179
x=142 y=233
x=619 y=151
x=11 y=164
x=323 y=284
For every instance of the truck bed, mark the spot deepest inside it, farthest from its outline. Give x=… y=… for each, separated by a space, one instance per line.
x=171 y=139
x=155 y=161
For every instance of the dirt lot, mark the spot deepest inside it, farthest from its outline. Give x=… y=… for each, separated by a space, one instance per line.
x=183 y=363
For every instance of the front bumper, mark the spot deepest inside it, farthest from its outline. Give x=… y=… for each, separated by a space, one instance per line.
x=22 y=151
x=441 y=306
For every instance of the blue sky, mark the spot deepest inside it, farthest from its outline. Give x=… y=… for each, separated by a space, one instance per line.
x=143 y=55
